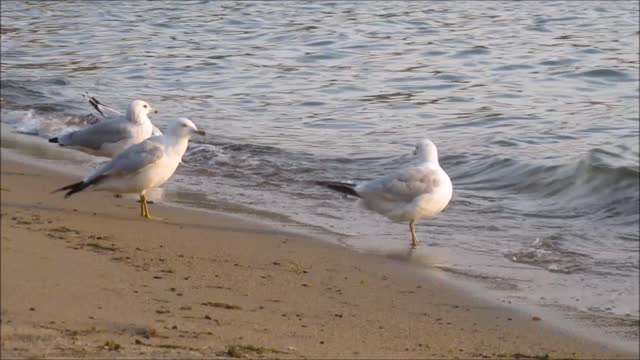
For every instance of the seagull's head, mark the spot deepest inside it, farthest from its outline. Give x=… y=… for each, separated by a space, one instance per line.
x=139 y=110
x=426 y=151
x=184 y=127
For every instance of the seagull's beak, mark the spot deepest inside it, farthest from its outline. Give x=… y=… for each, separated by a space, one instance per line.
x=155 y=111
x=200 y=132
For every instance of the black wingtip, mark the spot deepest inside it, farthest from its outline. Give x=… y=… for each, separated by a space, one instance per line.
x=342 y=187
x=73 y=188
x=54 y=140
x=95 y=103
x=79 y=186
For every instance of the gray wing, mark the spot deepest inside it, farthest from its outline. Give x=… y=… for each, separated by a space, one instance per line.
x=131 y=160
x=94 y=136
x=115 y=117
x=404 y=185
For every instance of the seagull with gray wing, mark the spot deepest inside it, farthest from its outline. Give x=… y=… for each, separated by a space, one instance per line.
x=108 y=138
x=102 y=108
x=409 y=194
x=141 y=166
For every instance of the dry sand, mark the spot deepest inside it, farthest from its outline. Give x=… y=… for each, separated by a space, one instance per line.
x=87 y=277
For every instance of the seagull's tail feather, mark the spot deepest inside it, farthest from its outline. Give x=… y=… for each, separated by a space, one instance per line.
x=342 y=187
x=79 y=186
x=57 y=140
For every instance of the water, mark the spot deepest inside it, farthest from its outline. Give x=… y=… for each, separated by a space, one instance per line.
x=533 y=105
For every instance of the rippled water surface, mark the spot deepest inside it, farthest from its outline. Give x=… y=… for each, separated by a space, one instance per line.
x=533 y=105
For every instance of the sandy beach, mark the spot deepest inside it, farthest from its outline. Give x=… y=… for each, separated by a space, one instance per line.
x=87 y=277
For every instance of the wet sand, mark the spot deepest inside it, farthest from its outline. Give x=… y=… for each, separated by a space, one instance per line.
x=88 y=277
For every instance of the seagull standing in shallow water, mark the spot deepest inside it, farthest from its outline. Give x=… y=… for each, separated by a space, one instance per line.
x=141 y=166
x=101 y=108
x=108 y=138
x=419 y=191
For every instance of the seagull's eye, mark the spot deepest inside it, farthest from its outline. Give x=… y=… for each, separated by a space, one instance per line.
x=184 y=125
x=145 y=106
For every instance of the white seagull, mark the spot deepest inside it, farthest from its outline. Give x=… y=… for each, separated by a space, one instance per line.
x=141 y=166
x=419 y=191
x=101 y=108
x=109 y=138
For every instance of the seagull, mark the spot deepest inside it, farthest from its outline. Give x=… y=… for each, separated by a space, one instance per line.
x=420 y=191
x=101 y=108
x=141 y=166
x=108 y=138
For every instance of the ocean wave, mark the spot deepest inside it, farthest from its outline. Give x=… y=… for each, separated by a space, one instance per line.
x=23 y=94
x=45 y=123
x=552 y=253
x=600 y=183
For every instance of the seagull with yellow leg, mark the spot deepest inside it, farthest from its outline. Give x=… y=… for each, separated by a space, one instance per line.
x=142 y=166
x=419 y=191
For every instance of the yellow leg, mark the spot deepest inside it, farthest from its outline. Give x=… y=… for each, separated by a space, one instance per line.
x=414 y=241
x=145 y=206
x=143 y=210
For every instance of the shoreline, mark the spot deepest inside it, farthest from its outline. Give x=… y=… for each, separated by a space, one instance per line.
x=616 y=331
x=198 y=283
